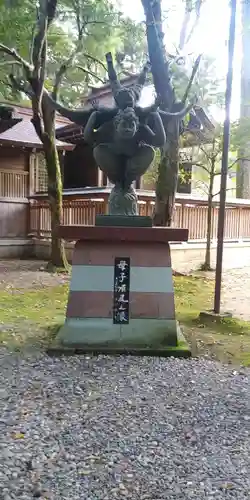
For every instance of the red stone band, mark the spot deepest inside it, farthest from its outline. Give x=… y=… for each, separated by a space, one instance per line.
x=141 y=254
x=99 y=305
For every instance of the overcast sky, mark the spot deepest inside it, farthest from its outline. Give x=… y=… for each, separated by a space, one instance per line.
x=210 y=36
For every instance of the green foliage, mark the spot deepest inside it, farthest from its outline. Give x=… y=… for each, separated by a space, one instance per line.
x=151 y=174
x=131 y=54
x=103 y=29
x=207 y=87
x=106 y=29
x=16 y=24
x=207 y=160
x=240 y=133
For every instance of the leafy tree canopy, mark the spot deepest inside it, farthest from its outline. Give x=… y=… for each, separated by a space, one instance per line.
x=85 y=29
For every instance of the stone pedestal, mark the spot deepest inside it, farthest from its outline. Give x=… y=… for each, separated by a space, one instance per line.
x=121 y=294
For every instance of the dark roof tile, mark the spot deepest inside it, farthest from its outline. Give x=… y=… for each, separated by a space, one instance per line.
x=24 y=134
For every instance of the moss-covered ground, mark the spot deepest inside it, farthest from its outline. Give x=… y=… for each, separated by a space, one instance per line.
x=30 y=318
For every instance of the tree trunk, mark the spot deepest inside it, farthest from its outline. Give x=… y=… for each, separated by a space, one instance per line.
x=243 y=171
x=167 y=180
x=58 y=255
x=166 y=184
x=207 y=263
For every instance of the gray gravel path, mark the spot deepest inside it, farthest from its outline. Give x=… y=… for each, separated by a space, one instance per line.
x=113 y=428
x=236 y=293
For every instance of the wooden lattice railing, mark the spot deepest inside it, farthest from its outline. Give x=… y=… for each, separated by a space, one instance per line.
x=13 y=184
x=189 y=213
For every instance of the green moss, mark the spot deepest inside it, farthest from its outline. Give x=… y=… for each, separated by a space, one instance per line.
x=192 y=295
x=227 y=341
x=31 y=317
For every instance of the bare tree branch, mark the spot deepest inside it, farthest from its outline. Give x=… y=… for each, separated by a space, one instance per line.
x=20 y=85
x=70 y=60
x=43 y=67
x=236 y=161
x=105 y=23
x=6 y=63
x=32 y=40
x=94 y=59
x=92 y=74
x=60 y=74
x=39 y=39
x=201 y=165
x=6 y=84
x=205 y=186
x=76 y=7
x=47 y=9
x=184 y=37
x=190 y=83
x=13 y=53
x=211 y=156
x=228 y=189
x=185 y=23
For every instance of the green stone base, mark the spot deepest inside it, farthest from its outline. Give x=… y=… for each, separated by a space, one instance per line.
x=124 y=220
x=67 y=344
x=94 y=332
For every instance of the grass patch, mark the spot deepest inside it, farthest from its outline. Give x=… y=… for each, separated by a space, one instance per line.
x=192 y=295
x=228 y=341
x=31 y=318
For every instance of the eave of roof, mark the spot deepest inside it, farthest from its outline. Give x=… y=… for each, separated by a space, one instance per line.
x=23 y=135
x=24 y=112
x=7 y=124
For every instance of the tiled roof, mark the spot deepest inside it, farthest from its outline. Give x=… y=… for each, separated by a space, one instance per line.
x=6 y=124
x=26 y=113
x=24 y=134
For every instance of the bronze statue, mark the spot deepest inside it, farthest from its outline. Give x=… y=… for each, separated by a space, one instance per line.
x=125 y=97
x=123 y=137
x=124 y=149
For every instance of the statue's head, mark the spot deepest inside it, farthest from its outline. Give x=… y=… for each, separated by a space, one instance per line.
x=124 y=98
x=126 y=123
x=127 y=97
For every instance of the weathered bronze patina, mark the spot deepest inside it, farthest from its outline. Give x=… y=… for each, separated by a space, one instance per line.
x=123 y=138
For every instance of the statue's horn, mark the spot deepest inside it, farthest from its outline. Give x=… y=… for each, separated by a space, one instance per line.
x=81 y=116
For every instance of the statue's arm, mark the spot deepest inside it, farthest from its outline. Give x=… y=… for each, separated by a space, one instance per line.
x=114 y=82
x=156 y=136
x=89 y=131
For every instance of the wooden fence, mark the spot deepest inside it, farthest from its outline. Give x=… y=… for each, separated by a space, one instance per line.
x=189 y=213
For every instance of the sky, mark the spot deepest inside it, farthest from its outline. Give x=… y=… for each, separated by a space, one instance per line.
x=210 y=37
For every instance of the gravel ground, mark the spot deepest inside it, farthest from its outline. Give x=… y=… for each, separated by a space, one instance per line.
x=113 y=428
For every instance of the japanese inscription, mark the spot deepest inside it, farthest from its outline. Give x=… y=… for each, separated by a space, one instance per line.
x=121 y=290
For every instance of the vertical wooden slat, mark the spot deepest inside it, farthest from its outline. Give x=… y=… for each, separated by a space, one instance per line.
x=13 y=184
x=193 y=216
